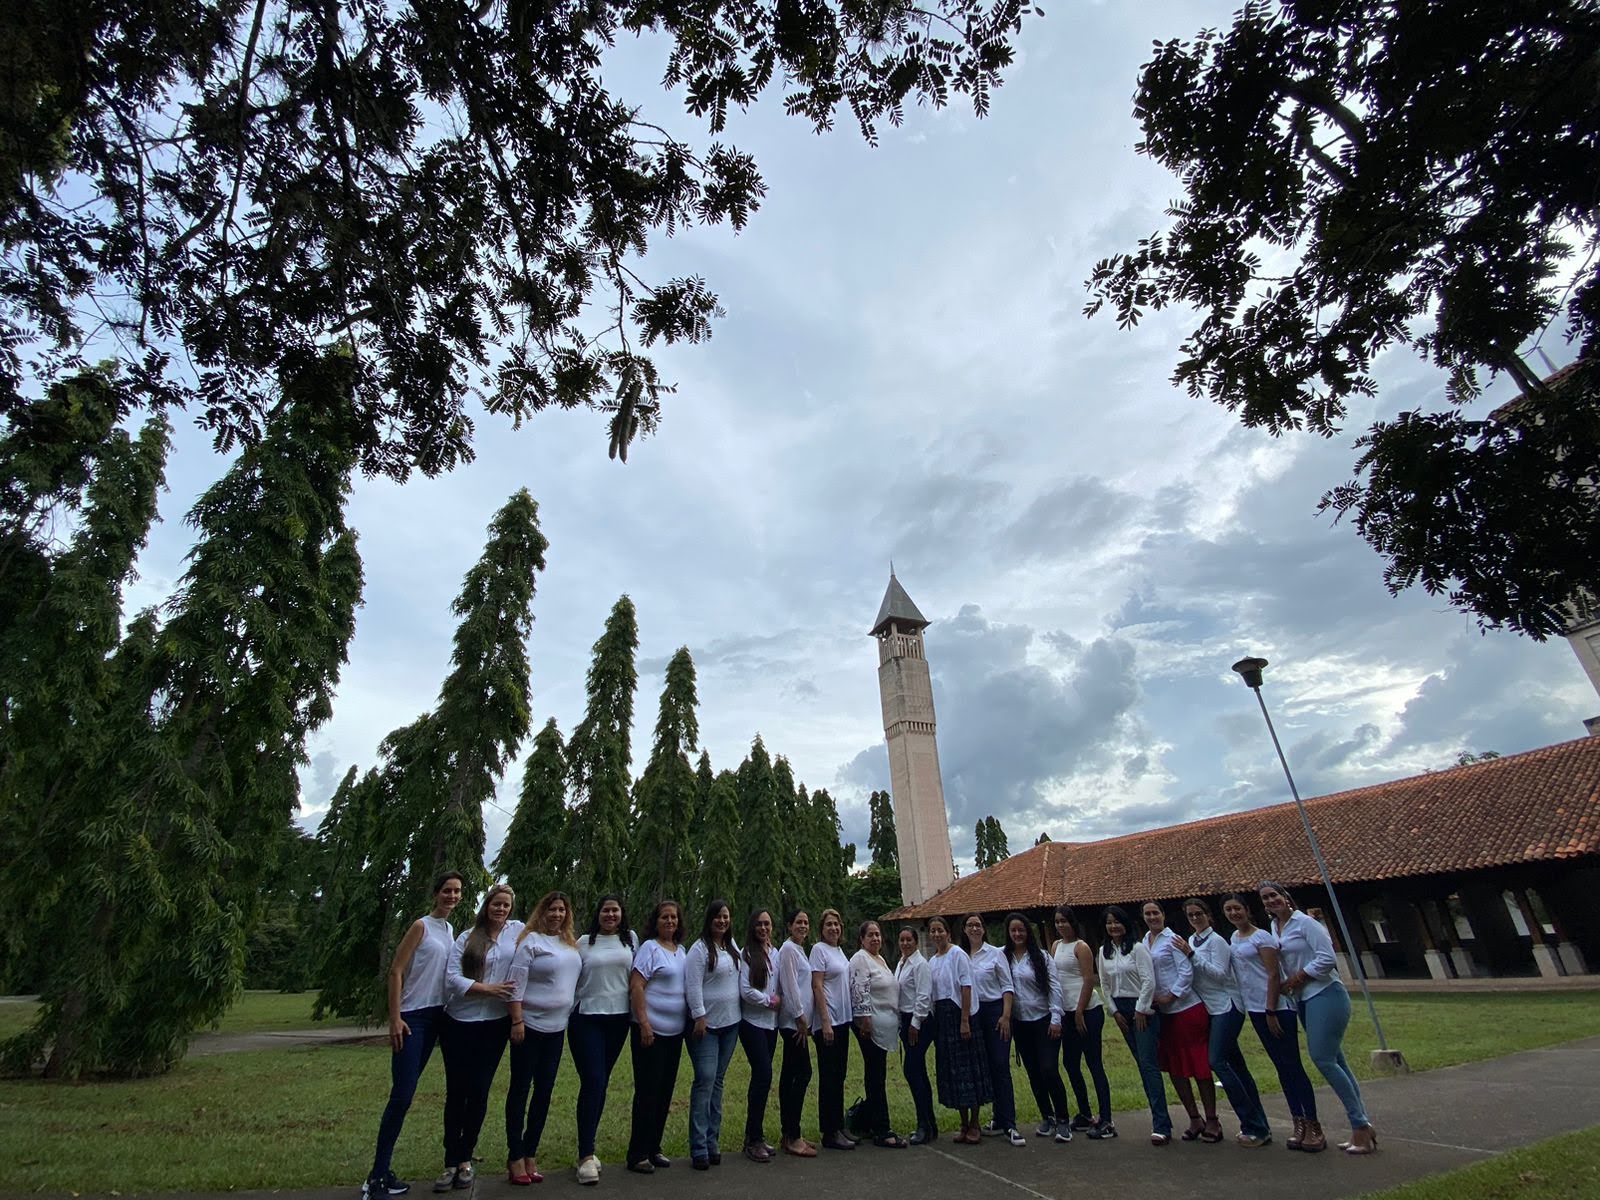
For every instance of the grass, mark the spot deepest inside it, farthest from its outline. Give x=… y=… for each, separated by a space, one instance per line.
x=1562 y=1168
x=301 y=1117
x=253 y=1012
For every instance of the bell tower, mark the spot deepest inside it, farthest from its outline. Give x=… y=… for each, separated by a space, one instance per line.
x=922 y=828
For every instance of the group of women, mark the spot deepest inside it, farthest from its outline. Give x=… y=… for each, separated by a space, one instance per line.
x=537 y=989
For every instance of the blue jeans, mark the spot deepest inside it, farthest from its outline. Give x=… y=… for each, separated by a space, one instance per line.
x=710 y=1056
x=998 y=1049
x=1086 y=1048
x=1326 y=1016
x=1284 y=1051
x=534 y=1063
x=1227 y=1060
x=1142 y=1045
x=595 y=1040
x=405 y=1068
x=914 y=1065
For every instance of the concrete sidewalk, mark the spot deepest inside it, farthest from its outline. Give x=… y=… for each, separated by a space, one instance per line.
x=1428 y=1123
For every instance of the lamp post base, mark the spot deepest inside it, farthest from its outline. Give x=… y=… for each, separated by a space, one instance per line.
x=1390 y=1062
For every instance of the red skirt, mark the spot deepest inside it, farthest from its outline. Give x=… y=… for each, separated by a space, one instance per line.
x=1183 y=1049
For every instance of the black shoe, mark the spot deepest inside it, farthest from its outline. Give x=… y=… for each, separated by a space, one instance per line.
x=386 y=1185
x=660 y=1161
x=1102 y=1129
x=700 y=1164
x=642 y=1168
x=715 y=1159
x=921 y=1137
x=1082 y=1122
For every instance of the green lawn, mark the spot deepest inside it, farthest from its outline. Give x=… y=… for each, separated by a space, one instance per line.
x=1563 y=1168
x=306 y=1117
x=254 y=1012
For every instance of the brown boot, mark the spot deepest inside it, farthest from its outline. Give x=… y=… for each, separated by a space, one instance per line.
x=1299 y=1132
x=1313 y=1140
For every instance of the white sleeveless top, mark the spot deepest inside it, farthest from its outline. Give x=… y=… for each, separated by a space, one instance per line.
x=1071 y=976
x=424 y=982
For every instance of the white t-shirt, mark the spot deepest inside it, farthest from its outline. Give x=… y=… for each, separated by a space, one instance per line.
x=756 y=1004
x=1213 y=973
x=714 y=993
x=991 y=974
x=496 y=969
x=873 y=993
x=1251 y=971
x=794 y=983
x=915 y=994
x=664 y=1000
x=603 y=982
x=545 y=974
x=830 y=962
x=948 y=973
x=1035 y=998
x=423 y=986
x=1070 y=972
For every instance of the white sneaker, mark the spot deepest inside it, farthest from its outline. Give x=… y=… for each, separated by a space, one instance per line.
x=1063 y=1132
x=589 y=1170
x=1014 y=1136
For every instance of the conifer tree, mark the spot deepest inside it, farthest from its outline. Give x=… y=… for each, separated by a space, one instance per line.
x=719 y=848
x=662 y=851
x=796 y=853
x=183 y=793
x=533 y=859
x=881 y=833
x=998 y=849
x=761 y=839
x=599 y=755
x=832 y=860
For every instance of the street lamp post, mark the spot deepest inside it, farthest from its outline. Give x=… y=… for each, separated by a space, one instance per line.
x=1249 y=669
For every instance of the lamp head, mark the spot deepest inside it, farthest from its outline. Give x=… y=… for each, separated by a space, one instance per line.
x=1250 y=671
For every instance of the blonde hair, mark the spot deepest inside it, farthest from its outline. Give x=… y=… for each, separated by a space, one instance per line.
x=823 y=920
x=536 y=918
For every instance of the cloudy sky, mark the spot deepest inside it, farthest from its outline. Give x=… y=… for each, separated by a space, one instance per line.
x=905 y=373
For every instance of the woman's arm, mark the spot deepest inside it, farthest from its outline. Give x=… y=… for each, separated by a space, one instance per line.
x=966 y=1010
x=694 y=987
x=641 y=1014
x=403 y=954
x=819 y=1007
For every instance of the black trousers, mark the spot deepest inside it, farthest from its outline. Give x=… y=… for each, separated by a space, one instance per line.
x=472 y=1054
x=793 y=1080
x=655 y=1074
x=914 y=1064
x=832 y=1062
x=758 y=1046
x=534 y=1064
x=875 y=1074
x=1038 y=1052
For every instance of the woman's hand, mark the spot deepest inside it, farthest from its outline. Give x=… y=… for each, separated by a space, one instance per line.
x=1003 y=1025
x=1141 y=1022
x=1164 y=999
x=774 y=1000
x=1055 y=1032
x=647 y=1036
x=1083 y=1025
x=518 y=1030
x=826 y=1033
x=500 y=991
x=865 y=1025
x=1275 y=1029
x=399 y=1031
x=911 y=1034
x=699 y=1028
x=966 y=1028
x=1122 y=1023
x=1184 y=946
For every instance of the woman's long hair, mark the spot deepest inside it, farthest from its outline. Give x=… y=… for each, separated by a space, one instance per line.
x=709 y=938
x=536 y=918
x=650 y=922
x=476 y=952
x=966 y=942
x=624 y=934
x=1126 y=942
x=1041 y=973
x=755 y=954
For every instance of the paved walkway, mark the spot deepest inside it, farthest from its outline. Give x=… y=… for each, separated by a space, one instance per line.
x=203 y=1044
x=1428 y=1122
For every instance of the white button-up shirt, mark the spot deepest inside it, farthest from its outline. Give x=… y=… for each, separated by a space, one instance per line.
x=916 y=994
x=1213 y=973
x=1035 y=998
x=1305 y=945
x=991 y=974
x=1174 y=974
x=1129 y=975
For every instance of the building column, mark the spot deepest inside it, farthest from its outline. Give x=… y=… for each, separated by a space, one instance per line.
x=1495 y=937
x=1434 y=955
x=1544 y=954
x=1568 y=953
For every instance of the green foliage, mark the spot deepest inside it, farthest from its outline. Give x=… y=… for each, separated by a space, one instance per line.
x=761 y=836
x=718 y=844
x=421 y=811
x=990 y=845
x=1358 y=176
x=534 y=858
x=664 y=859
x=881 y=838
x=165 y=818
x=440 y=182
x=599 y=755
x=868 y=895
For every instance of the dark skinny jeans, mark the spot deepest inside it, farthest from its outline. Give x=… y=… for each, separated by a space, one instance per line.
x=1085 y=1049
x=793 y=1079
x=472 y=1054
x=833 y=1060
x=1038 y=1050
x=655 y=1075
x=987 y=1027
x=405 y=1069
x=875 y=1075
x=758 y=1046
x=1284 y=1051
x=914 y=1065
x=596 y=1040
x=535 y=1062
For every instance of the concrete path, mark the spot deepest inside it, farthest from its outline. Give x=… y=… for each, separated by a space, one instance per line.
x=1428 y=1122
x=203 y=1044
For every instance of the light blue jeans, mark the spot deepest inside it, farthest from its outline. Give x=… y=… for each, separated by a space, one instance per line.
x=1326 y=1016
x=710 y=1056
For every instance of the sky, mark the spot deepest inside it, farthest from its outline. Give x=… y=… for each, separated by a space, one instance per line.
x=905 y=374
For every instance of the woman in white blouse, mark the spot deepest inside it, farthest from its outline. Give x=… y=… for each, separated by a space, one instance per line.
x=1036 y=1025
x=1256 y=969
x=1214 y=982
x=599 y=1027
x=873 y=1000
x=711 y=983
x=1183 y=1048
x=759 y=1001
x=544 y=979
x=1083 y=1021
x=794 y=1019
x=478 y=986
x=660 y=1016
x=915 y=1004
x=1129 y=982
x=963 y=1066
x=1311 y=977
x=993 y=995
x=830 y=1007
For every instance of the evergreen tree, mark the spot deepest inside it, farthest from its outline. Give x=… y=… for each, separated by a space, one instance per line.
x=181 y=797
x=599 y=755
x=1041 y=839
x=831 y=860
x=999 y=851
x=796 y=854
x=534 y=857
x=718 y=846
x=664 y=807
x=881 y=833
x=761 y=840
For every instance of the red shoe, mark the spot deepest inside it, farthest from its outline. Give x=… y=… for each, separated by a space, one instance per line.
x=519 y=1178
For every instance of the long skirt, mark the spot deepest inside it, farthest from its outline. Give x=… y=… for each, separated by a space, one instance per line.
x=963 y=1066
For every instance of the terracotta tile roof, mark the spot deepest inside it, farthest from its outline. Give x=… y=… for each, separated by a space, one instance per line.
x=1558 y=379
x=1532 y=807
